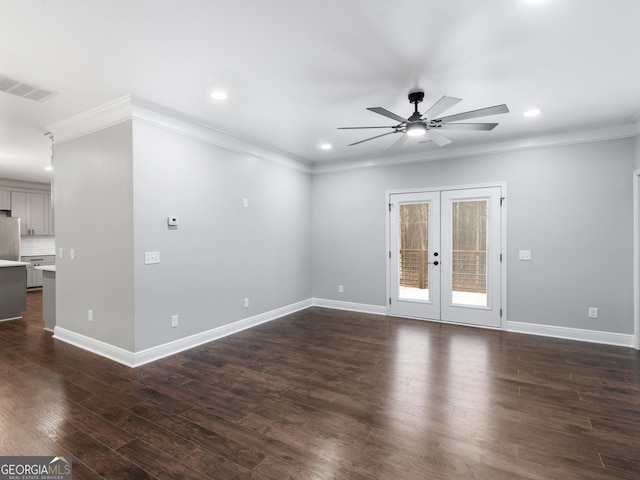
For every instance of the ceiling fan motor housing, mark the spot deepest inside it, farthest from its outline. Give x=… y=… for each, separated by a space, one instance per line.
x=416 y=96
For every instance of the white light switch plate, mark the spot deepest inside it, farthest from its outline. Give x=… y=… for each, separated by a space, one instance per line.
x=524 y=255
x=151 y=258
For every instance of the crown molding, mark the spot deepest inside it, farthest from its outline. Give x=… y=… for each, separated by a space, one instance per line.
x=97 y=118
x=419 y=156
x=132 y=108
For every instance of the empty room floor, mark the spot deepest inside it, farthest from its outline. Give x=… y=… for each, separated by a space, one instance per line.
x=327 y=394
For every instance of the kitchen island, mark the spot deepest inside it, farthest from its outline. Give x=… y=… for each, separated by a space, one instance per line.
x=13 y=289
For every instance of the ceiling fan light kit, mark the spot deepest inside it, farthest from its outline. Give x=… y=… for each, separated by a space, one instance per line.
x=427 y=124
x=416 y=129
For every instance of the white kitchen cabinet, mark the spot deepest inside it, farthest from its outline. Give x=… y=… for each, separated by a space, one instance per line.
x=34 y=277
x=33 y=210
x=5 y=200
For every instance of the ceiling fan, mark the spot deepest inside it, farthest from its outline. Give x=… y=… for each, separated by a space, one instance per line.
x=428 y=123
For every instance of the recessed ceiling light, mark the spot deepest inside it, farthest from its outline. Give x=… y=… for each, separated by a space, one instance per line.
x=48 y=168
x=534 y=112
x=218 y=95
x=326 y=146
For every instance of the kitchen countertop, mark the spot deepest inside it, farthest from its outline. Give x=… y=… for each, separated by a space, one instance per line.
x=11 y=263
x=46 y=268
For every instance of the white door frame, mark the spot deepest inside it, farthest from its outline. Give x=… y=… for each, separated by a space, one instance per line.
x=503 y=239
x=636 y=260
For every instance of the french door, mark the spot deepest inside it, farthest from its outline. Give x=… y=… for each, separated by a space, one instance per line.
x=445 y=253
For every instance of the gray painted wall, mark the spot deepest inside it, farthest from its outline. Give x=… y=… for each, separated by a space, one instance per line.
x=221 y=252
x=114 y=190
x=302 y=236
x=93 y=198
x=570 y=205
x=637 y=152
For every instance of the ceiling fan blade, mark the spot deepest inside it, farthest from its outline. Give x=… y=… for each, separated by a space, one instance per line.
x=482 y=112
x=387 y=113
x=398 y=143
x=438 y=138
x=357 y=128
x=445 y=103
x=377 y=136
x=467 y=126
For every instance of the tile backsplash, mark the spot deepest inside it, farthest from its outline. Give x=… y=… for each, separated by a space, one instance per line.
x=36 y=245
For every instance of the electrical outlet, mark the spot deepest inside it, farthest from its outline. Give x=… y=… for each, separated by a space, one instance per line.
x=340 y=288
x=72 y=254
x=593 y=312
x=151 y=258
x=246 y=303
x=90 y=315
x=245 y=202
x=174 y=321
x=61 y=253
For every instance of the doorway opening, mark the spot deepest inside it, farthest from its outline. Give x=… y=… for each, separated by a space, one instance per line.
x=445 y=254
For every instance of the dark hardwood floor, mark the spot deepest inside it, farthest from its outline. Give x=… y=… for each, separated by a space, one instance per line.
x=325 y=394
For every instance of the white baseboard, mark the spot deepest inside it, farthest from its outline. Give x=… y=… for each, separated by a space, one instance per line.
x=92 y=345
x=594 y=336
x=349 y=306
x=136 y=359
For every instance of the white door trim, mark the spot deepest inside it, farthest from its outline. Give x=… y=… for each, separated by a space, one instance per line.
x=503 y=234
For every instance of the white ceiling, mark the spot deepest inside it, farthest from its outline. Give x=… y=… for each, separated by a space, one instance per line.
x=295 y=69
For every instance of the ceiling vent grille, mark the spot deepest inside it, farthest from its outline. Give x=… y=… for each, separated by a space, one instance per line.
x=24 y=90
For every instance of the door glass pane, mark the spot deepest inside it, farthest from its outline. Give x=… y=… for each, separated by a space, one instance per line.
x=469 y=237
x=414 y=251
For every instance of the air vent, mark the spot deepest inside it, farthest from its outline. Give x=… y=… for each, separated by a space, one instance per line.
x=24 y=90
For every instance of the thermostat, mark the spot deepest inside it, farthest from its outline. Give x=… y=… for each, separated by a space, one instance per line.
x=173 y=221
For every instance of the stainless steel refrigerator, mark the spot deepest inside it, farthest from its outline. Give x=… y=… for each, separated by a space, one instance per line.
x=10 y=238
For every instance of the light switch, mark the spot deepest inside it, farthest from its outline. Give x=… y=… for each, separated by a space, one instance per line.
x=524 y=255
x=151 y=258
